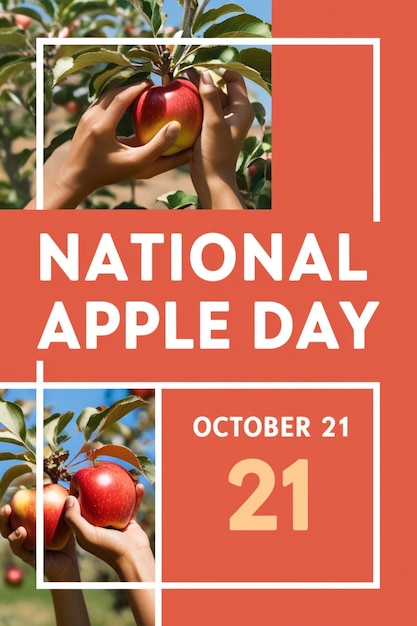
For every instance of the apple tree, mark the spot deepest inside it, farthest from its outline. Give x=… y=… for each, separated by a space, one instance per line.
x=97 y=434
x=65 y=100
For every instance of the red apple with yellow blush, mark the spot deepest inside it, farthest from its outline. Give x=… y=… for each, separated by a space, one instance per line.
x=179 y=101
x=56 y=530
x=106 y=493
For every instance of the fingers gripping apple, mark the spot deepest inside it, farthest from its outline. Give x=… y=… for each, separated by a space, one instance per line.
x=56 y=530
x=106 y=493
x=177 y=101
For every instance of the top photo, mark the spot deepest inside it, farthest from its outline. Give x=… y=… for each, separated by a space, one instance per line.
x=135 y=105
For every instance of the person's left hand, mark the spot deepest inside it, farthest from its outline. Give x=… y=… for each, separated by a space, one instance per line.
x=60 y=566
x=97 y=157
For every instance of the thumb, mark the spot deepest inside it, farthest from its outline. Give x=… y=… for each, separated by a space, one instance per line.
x=163 y=140
x=73 y=516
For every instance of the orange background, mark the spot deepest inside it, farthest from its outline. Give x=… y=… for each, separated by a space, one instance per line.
x=322 y=169
x=198 y=500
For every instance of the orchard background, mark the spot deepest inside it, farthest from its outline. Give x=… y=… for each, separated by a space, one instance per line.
x=68 y=94
x=131 y=430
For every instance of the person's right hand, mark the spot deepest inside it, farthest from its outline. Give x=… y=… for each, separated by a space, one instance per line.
x=127 y=551
x=227 y=119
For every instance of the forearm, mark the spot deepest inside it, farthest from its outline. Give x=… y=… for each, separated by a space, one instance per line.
x=58 y=193
x=142 y=604
x=219 y=194
x=137 y=566
x=69 y=607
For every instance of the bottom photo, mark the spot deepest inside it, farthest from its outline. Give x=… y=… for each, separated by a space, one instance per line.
x=98 y=502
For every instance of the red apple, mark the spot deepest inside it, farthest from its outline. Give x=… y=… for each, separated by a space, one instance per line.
x=106 y=493
x=14 y=575
x=22 y=21
x=72 y=107
x=178 y=101
x=23 y=503
x=144 y=394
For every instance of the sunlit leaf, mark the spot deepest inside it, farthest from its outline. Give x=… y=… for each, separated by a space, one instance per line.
x=177 y=199
x=12 y=37
x=92 y=421
x=208 y=17
x=142 y=463
x=244 y=70
x=11 y=416
x=54 y=425
x=65 y=66
x=14 y=472
x=57 y=141
x=240 y=26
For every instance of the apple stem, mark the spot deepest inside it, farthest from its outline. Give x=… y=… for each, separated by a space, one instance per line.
x=166 y=79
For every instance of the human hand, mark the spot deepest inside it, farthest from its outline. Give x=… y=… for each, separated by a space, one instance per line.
x=127 y=551
x=60 y=566
x=226 y=121
x=97 y=157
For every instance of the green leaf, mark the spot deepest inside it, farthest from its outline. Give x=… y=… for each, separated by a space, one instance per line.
x=57 y=141
x=178 y=199
x=14 y=472
x=240 y=26
x=23 y=157
x=53 y=427
x=244 y=70
x=225 y=54
x=7 y=437
x=65 y=66
x=152 y=12
x=11 y=456
x=30 y=13
x=12 y=37
x=148 y=468
x=11 y=416
x=142 y=463
x=260 y=113
x=259 y=59
x=213 y=15
x=139 y=53
x=47 y=5
x=74 y=9
x=13 y=65
x=116 y=77
x=92 y=420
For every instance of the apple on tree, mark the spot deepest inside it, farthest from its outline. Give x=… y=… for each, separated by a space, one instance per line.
x=56 y=531
x=106 y=493
x=177 y=100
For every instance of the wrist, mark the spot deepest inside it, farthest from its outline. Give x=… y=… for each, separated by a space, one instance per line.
x=62 y=187
x=70 y=574
x=136 y=566
x=220 y=193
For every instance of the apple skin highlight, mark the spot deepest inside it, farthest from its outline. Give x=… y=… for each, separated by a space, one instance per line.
x=178 y=101
x=106 y=494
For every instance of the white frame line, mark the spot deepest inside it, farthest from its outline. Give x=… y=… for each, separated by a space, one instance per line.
x=159 y=585
x=275 y=41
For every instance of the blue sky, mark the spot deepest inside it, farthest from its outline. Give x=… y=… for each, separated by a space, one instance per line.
x=62 y=400
x=261 y=9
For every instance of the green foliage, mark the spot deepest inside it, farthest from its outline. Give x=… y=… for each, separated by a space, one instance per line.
x=74 y=76
x=93 y=423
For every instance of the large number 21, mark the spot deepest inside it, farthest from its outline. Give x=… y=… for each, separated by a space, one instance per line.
x=245 y=517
